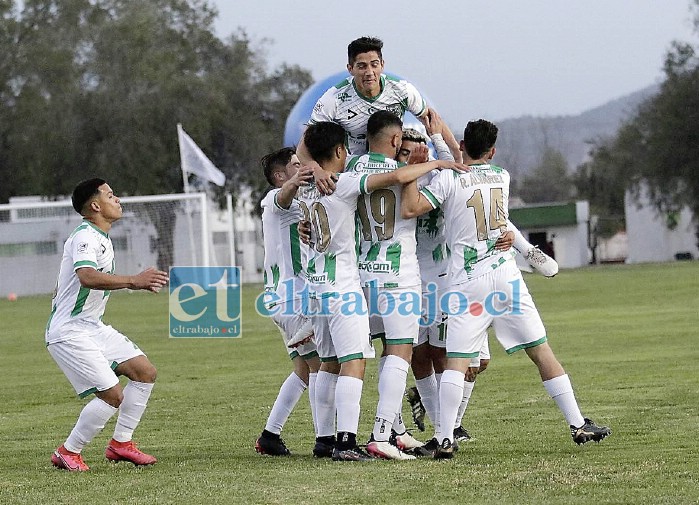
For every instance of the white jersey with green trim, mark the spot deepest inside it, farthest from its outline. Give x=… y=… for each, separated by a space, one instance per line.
x=432 y=251
x=332 y=256
x=387 y=241
x=344 y=105
x=475 y=208
x=285 y=254
x=87 y=247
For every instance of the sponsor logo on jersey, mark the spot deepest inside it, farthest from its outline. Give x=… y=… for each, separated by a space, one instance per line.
x=375 y=267
x=82 y=247
x=318 y=108
x=395 y=109
x=343 y=97
x=318 y=278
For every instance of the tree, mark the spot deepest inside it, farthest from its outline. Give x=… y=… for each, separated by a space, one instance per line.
x=98 y=86
x=658 y=149
x=549 y=181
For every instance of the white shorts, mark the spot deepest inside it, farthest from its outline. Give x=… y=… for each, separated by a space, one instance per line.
x=341 y=335
x=433 y=321
x=500 y=298
x=90 y=355
x=394 y=314
x=291 y=324
x=483 y=354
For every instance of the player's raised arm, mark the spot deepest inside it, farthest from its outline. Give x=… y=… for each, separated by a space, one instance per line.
x=288 y=191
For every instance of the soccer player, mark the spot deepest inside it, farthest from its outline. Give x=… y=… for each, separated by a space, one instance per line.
x=429 y=354
x=429 y=358
x=285 y=284
x=486 y=285
x=90 y=353
x=339 y=311
x=351 y=102
x=388 y=270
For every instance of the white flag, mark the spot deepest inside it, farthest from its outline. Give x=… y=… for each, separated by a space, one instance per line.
x=194 y=161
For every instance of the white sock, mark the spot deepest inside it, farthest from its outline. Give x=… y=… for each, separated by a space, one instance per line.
x=392 y=381
x=560 y=389
x=520 y=243
x=312 y=398
x=348 y=396
x=131 y=410
x=398 y=425
x=326 y=384
x=468 y=389
x=289 y=395
x=429 y=394
x=451 y=391
x=91 y=421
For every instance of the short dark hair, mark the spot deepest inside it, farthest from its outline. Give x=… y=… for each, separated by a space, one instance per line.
x=363 y=45
x=274 y=161
x=479 y=137
x=84 y=191
x=380 y=120
x=322 y=138
x=413 y=135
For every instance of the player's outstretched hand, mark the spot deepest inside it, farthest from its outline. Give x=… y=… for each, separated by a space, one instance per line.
x=303 y=176
x=458 y=167
x=419 y=154
x=151 y=279
x=434 y=123
x=325 y=181
x=505 y=241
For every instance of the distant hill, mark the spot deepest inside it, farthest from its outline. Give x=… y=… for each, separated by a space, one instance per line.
x=522 y=140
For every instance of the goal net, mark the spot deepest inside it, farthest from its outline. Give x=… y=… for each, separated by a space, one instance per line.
x=157 y=230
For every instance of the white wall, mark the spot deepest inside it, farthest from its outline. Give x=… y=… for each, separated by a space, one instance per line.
x=650 y=240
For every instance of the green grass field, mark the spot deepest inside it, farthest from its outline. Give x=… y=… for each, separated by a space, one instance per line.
x=627 y=335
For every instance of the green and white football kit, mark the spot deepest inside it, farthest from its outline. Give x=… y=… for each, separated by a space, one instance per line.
x=85 y=349
x=344 y=105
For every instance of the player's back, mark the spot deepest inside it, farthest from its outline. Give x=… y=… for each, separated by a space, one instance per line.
x=475 y=214
x=332 y=261
x=387 y=240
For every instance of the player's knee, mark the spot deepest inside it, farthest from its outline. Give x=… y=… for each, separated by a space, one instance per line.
x=113 y=396
x=147 y=374
x=471 y=373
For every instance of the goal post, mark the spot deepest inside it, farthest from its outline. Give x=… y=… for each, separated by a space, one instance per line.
x=156 y=230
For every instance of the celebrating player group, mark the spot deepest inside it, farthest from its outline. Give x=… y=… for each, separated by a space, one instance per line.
x=368 y=238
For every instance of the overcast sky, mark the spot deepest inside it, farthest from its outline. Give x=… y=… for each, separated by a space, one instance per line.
x=480 y=58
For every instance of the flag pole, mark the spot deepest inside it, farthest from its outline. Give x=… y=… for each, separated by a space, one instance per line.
x=188 y=205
